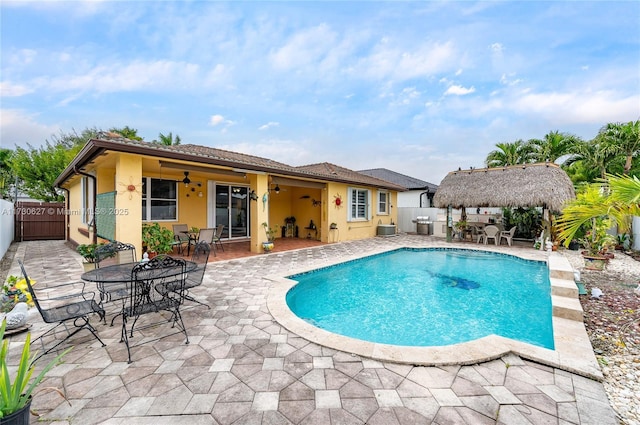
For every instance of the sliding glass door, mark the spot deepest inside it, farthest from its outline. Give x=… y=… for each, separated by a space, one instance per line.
x=232 y=210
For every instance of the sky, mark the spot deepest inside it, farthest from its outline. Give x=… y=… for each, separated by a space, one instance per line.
x=420 y=88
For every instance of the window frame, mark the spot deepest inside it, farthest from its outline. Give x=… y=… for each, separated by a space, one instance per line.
x=146 y=200
x=87 y=200
x=354 y=203
x=386 y=202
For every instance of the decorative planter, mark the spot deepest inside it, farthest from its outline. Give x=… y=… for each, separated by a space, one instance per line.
x=595 y=262
x=267 y=246
x=88 y=266
x=19 y=417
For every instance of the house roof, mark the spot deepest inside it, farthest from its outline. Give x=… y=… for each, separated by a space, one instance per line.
x=410 y=183
x=528 y=185
x=212 y=156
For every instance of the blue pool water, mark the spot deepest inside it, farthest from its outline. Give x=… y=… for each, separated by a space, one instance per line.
x=429 y=297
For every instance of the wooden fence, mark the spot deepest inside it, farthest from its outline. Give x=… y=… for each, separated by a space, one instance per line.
x=37 y=221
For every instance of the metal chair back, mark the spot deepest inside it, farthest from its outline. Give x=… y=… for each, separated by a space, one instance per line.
x=156 y=285
x=72 y=307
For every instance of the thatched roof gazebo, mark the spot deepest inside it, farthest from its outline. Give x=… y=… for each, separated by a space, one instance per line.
x=543 y=185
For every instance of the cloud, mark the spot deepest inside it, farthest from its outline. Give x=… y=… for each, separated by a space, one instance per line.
x=459 y=90
x=19 y=128
x=304 y=48
x=217 y=120
x=8 y=89
x=269 y=125
x=497 y=48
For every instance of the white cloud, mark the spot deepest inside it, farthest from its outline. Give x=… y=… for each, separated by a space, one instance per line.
x=304 y=48
x=269 y=125
x=497 y=48
x=216 y=119
x=18 y=128
x=8 y=89
x=459 y=90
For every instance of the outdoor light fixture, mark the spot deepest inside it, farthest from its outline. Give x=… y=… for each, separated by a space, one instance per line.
x=277 y=189
x=253 y=196
x=186 y=179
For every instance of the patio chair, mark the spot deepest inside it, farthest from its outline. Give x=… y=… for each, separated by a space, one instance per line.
x=217 y=237
x=180 y=237
x=148 y=293
x=508 y=235
x=111 y=254
x=490 y=232
x=115 y=253
x=72 y=306
x=207 y=236
x=194 y=278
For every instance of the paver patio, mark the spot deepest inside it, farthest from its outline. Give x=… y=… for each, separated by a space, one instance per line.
x=243 y=367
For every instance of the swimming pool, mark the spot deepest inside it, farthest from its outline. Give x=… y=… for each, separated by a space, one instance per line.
x=429 y=297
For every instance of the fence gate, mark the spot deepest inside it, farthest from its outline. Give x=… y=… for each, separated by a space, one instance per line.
x=38 y=221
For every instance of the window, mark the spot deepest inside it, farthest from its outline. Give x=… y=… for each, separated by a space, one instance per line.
x=383 y=202
x=159 y=199
x=87 y=200
x=358 y=204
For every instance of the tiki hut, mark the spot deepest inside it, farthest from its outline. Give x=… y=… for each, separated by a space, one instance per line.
x=527 y=185
x=543 y=185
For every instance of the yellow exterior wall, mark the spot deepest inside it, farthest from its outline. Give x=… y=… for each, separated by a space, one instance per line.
x=128 y=207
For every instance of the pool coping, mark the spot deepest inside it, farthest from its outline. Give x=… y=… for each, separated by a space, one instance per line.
x=573 y=351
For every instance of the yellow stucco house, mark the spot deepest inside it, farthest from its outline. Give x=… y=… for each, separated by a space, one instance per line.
x=114 y=185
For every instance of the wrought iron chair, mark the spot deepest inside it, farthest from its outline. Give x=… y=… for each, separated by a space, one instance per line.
x=194 y=278
x=149 y=293
x=113 y=253
x=72 y=308
x=180 y=237
x=217 y=236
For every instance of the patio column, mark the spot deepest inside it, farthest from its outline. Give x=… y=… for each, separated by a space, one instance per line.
x=259 y=210
x=128 y=207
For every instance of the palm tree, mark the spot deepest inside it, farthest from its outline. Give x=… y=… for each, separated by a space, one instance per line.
x=615 y=199
x=553 y=146
x=507 y=154
x=624 y=139
x=168 y=140
x=594 y=155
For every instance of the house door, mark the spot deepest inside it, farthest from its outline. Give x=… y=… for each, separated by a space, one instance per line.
x=232 y=210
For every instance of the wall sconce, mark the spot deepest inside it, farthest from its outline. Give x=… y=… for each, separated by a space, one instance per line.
x=253 y=196
x=186 y=180
x=276 y=189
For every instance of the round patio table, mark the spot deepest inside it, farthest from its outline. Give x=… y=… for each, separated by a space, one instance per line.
x=121 y=273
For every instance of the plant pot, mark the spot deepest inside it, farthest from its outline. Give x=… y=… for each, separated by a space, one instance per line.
x=267 y=246
x=574 y=245
x=88 y=266
x=595 y=262
x=19 y=417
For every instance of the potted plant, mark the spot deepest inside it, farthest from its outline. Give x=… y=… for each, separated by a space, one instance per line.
x=157 y=239
x=16 y=396
x=88 y=252
x=333 y=226
x=271 y=235
x=595 y=210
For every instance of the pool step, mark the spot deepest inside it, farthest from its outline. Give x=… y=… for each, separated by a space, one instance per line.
x=567 y=307
x=564 y=287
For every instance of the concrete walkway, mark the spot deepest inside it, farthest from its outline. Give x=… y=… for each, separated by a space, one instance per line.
x=243 y=367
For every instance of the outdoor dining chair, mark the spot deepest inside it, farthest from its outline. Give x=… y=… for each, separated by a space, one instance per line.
x=194 y=278
x=71 y=306
x=508 y=235
x=115 y=252
x=490 y=232
x=149 y=294
x=180 y=237
x=207 y=235
x=217 y=237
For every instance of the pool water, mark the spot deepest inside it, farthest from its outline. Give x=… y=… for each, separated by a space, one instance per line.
x=429 y=297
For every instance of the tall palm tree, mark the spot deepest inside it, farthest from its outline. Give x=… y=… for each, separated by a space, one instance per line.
x=168 y=140
x=514 y=153
x=624 y=139
x=553 y=146
x=595 y=155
